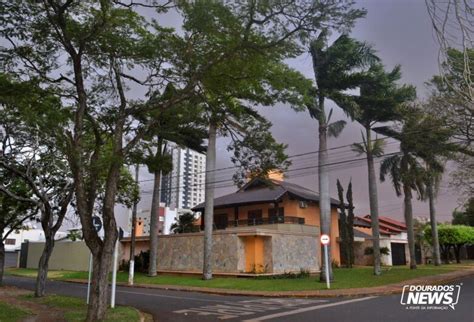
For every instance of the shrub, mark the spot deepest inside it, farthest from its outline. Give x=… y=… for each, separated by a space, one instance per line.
x=383 y=251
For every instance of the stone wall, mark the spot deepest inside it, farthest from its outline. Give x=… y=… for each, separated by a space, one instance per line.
x=184 y=252
x=292 y=253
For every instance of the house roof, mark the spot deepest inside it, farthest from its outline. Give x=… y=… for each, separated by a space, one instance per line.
x=259 y=190
x=387 y=225
x=361 y=234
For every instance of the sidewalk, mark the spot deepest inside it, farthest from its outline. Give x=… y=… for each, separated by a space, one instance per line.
x=377 y=290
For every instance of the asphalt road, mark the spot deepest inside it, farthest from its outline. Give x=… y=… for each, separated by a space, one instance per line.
x=177 y=306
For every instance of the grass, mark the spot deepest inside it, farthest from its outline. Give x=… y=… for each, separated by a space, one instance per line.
x=343 y=278
x=75 y=309
x=10 y=313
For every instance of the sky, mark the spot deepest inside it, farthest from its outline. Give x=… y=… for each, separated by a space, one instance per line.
x=401 y=32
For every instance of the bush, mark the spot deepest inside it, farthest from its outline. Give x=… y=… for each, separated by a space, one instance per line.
x=383 y=251
x=287 y=275
x=142 y=261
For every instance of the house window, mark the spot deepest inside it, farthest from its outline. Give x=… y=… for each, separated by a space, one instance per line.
x=221 y=221
x=255 y=217
x=276 y=217
x=10 y=241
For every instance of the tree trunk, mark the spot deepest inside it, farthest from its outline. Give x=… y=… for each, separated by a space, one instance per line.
x=2 y=258
x=409 y=222
x=434 y=224
x=99 y=285
x=155 y=208
x=209 y=202
x=43 y=264
x=350 y=225
x=374 y=207
x=324 y=198
x=457 y=253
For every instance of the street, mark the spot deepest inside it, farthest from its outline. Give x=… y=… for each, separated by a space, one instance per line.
x=176 y=306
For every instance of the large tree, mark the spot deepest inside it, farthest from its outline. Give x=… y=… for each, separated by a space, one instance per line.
x=32 y=154
x=405 y=169
x=337 y=68
x=14 y=212
x=254 y=38
x=377 y=102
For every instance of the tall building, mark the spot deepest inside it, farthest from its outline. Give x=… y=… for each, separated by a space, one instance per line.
x=183 y=188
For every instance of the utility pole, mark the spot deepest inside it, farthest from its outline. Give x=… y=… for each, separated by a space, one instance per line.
x=131 y=271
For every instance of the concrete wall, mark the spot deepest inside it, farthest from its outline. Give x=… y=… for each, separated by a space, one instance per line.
x=73 y=256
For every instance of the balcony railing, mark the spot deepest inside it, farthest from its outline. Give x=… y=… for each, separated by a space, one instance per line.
x=267 y=221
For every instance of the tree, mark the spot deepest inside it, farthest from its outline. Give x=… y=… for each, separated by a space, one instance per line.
x=336 y=69
x=61 y=44
x=452 y=237
x=405 y=169
x=254 y=38
x=466 y=216
x=180 y=125
x=347 y=223
x=378 y=101
x=449 y=100
x=13 y=212
x=35 y=158
x=185 y=223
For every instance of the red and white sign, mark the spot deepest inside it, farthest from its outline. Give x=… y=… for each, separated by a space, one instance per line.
x=325 y=239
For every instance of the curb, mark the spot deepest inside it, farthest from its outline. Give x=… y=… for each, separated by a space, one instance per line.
x=388 y=289
x=395 y=288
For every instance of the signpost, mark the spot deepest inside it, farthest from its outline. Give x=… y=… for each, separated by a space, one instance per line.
x=325 y=241
x=97 y=223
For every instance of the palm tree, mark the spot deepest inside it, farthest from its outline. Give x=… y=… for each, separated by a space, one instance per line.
x=434 y=147
x=336 y=69
x=406 y=170
x=378 y=101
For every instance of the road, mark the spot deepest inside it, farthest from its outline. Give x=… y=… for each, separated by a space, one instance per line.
x=177 y=306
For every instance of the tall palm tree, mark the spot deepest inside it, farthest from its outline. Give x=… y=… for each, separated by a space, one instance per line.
x=434 y=147
x=406 y=169
x=378 y=101
x=337 y=68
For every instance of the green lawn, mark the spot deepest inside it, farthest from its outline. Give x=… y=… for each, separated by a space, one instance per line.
x=344 y=278
x=75 y=309
x=9 y=313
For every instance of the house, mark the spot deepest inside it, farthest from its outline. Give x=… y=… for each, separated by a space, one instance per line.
x=267 y=226
x=392 y=236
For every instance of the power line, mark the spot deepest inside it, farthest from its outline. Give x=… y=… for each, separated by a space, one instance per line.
x=285 y=171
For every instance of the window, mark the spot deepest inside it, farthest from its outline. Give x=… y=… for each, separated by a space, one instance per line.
x=254 y=217
x=221 y=221
x=275 y=217
x=10 y=241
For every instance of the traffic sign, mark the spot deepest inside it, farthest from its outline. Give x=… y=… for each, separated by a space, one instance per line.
x=325 y=239
x=97 y=223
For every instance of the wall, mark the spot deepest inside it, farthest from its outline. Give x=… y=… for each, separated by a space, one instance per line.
x=292 y=253
x=242 y=250
x=184 y=252
x=72 y=256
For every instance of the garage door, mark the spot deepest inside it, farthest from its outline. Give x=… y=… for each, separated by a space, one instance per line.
x=398 y=254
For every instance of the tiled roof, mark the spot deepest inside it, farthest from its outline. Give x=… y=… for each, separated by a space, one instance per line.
x=387 y=225
x=258 y=190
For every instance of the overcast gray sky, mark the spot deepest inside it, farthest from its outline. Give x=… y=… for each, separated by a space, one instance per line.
x=401 y=32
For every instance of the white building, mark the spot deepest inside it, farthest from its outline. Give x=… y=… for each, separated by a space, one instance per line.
x=16 y=238
x=183 y=188
x=166 y=217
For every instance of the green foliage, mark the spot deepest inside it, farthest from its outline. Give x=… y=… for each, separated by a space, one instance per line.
x=184 y=224
x=383 y=251
x=452 y=234
x=466 y=216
